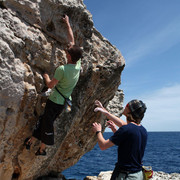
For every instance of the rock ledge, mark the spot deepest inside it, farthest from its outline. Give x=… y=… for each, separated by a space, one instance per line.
x=157 y=175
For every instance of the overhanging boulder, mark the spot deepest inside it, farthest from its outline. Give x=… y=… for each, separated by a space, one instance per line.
x=32 y=39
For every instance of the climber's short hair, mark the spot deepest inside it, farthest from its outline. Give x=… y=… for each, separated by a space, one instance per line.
x=75 y=52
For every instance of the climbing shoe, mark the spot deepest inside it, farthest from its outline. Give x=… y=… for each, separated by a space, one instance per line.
x=27 y=143
x=39 y=153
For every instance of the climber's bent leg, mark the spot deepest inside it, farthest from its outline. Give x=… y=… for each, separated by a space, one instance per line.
x=52 y=110
x=44 y=129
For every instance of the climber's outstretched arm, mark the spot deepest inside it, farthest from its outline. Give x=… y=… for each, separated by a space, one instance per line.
x=69 y=31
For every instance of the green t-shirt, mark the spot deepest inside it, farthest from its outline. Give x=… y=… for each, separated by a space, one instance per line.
x=67 y=76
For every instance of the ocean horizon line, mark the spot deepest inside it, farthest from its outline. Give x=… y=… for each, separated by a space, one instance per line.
x=151 y=131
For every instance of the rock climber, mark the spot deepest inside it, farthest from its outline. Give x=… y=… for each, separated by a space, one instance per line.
x=65 y=79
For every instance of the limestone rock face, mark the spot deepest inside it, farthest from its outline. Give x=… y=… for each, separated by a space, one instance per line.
x=115 y=106
x=32 y=39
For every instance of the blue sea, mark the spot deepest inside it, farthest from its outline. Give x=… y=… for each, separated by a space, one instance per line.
x=162 y=153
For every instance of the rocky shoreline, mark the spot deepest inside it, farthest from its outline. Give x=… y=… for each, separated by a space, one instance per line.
x=106 y=175
x=157 y=175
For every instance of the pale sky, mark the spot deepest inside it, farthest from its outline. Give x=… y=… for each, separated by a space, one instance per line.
x=147 y=33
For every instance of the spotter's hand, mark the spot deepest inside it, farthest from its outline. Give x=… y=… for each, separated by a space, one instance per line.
x=97 y=127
